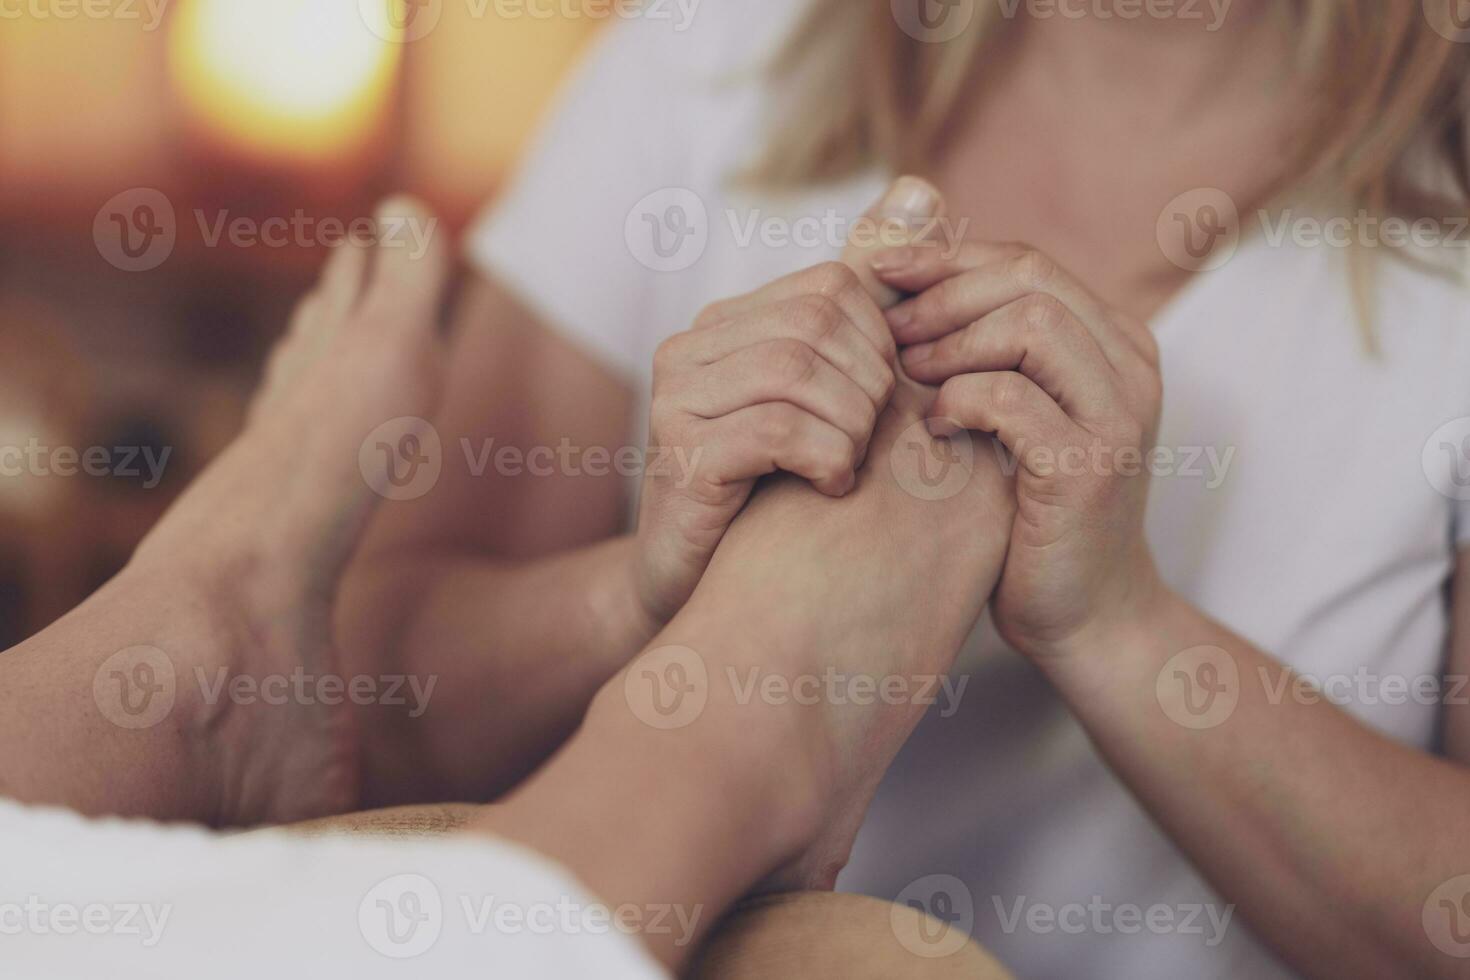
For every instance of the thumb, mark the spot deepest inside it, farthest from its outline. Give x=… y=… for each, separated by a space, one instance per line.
x=900 y=217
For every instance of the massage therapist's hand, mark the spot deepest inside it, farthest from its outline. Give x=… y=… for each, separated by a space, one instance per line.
x=790 y=377
x=1072 y=388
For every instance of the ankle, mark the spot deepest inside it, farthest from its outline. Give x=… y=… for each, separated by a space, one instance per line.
x=774 y=753
x=244 y=708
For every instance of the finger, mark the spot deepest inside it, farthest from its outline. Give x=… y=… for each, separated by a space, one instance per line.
x=821 y=324
x=1008 y=404
x=965 y=298
x=915 y=268
x=832 y=280
x=762 y=439
x=907 y=211
x=410 y=260
x=780 y=371
x=1036 y=336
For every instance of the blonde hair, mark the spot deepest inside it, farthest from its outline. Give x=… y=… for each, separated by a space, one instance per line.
x=1386 y=87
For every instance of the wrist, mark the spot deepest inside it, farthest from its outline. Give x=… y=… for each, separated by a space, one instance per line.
x=1130 y=643
x=617 y=603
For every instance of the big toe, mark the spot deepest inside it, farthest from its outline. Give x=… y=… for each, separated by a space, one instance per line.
x=411 y=258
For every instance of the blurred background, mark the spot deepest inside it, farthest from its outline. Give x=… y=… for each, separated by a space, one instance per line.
x=128 y=331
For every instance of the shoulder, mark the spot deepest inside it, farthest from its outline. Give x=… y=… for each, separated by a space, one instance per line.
x=1421 y=303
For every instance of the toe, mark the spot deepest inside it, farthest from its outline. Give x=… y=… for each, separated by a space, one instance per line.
x=342 y=280
x=411 y=262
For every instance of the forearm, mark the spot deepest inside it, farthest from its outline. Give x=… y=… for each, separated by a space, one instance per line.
x=515 y=650
x=1329 y=837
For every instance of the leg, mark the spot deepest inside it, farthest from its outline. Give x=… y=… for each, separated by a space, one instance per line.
x=173 y=692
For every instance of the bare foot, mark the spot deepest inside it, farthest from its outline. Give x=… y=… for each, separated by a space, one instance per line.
x=910 y=559
x=884 y=585
x=260 y=539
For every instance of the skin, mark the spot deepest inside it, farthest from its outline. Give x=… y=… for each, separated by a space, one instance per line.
x=238 y=579
x=775 y=601
x=792 y=376
x=1080 y=148
x=1022 y=349
x=239 y=576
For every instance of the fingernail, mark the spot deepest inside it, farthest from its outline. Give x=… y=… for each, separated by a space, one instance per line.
x=910 y=197
x=892 y=260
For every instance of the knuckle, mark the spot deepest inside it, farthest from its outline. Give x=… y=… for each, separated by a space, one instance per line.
x=1007 y=392
x=821 y=318
x=956 y=393
x=887 y=346
x=1032 y=269
x=887 y=384
x=833 y=279
x=712 y=314
x=666 y=356
x=966 y=345
x=776 y=427
x=1043 y=312
x=840 y=457
x=792 y=362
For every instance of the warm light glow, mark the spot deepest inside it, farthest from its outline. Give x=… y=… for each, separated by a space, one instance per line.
x=287 y=78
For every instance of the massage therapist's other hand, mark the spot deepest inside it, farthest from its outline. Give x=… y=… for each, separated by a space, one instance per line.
x=1020 y=348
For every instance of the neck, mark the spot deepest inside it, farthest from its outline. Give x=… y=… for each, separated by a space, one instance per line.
x=1199 y=54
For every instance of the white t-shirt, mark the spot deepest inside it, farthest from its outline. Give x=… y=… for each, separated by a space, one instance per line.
x=134 y=901
x=1315 y=529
